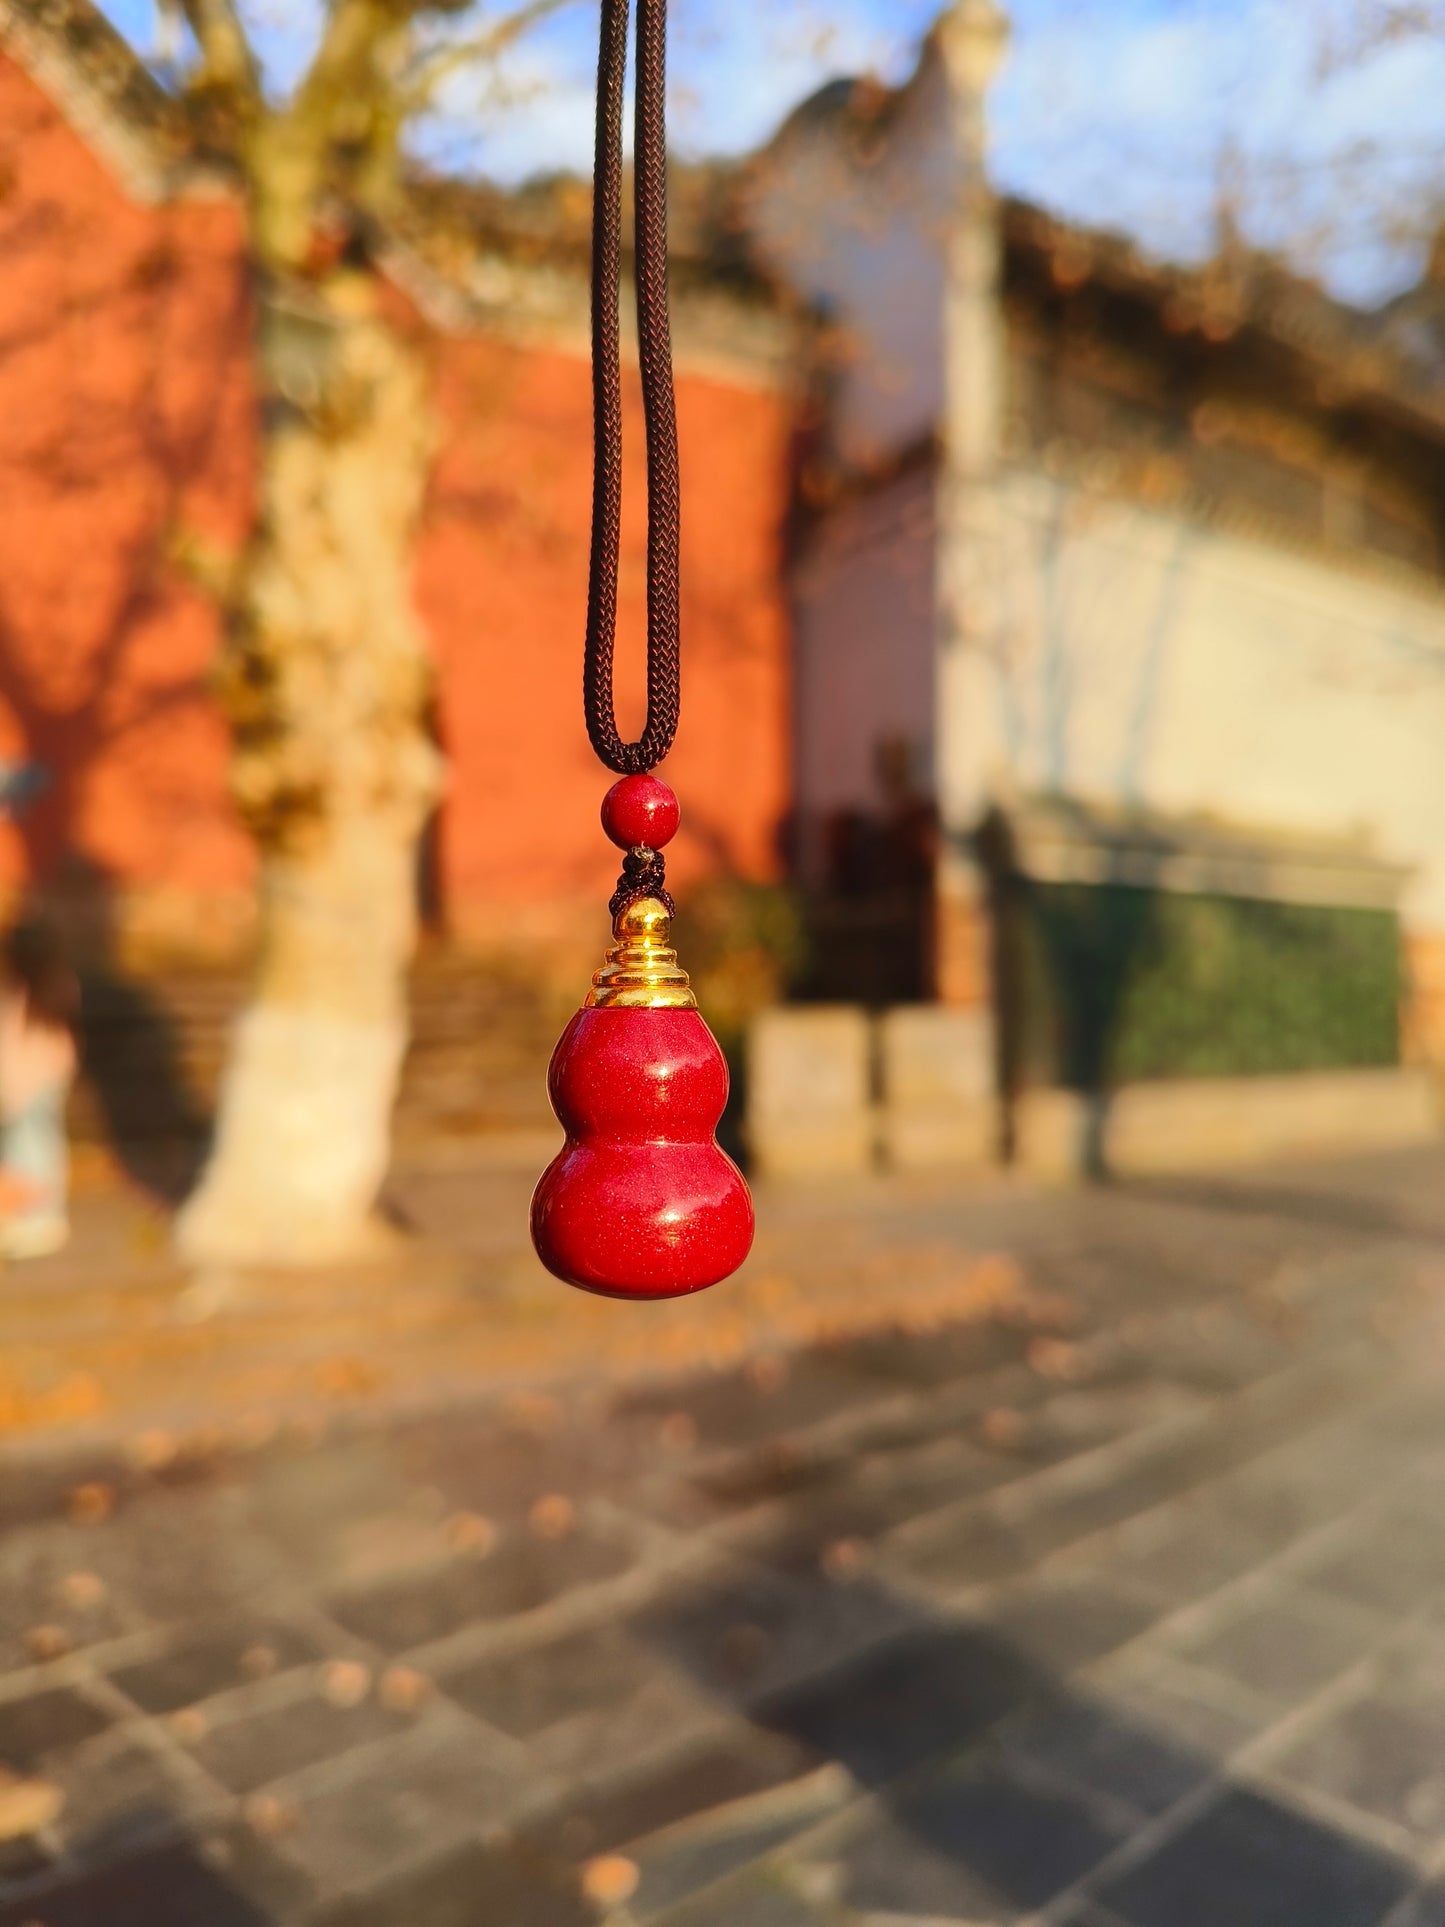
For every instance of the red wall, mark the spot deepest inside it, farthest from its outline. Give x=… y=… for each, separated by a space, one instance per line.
x=503 y=584
x=125 y=419
x=124 y=416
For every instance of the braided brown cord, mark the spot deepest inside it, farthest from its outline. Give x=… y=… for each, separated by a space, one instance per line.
x=659 y=404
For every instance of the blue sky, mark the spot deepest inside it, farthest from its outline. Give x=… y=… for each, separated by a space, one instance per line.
x=1123 y=113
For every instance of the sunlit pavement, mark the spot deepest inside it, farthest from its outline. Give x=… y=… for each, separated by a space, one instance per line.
x=1095 y=1575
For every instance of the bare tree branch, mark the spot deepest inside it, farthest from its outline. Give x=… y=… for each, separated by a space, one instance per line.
x=428 y=71
x=1395 y=19
x=1372 y=24
x=341 y=127
x=228 y=62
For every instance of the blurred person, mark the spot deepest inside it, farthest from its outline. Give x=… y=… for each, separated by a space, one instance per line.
x=39 y=1011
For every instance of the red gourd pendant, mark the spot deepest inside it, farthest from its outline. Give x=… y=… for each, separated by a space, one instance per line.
x=641 y=1201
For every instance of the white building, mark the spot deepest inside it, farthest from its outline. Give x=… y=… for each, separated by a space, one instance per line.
x=1142 y=567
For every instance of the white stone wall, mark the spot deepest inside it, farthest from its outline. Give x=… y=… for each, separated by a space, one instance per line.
x=1111 y=653
x=1140 y=658
x=864 y=632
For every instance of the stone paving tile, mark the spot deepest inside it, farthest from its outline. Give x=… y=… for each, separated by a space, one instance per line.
x=1191 y=1549
x=699 y=1852
x=1284 y=1497
x=22 y=1861
x=777 y=1470
x=1396 y=1564
x=980 y=1551
x=523 y=1573
x=746 y=1407
x=916 y=1700
x=750 y=1633
x=1250 y=1862
x=44 y=1493
x=1064 y=1620
x=1417 y=1423
x=1426 y=1909
x=667 y=1881
x=1347 y=1458
x=400 y=1804
x=973 y=1843
x=760 y=1902
x=930 y=1361
x=1139 y=1739
x=597 y=1696
x=1414 y=1663
x=524 y=1693
x=208 y=1882
x=1215 y=1349
x=668 y=1716
x=500 y=1466
x=1384 y=1754
x=610 y=1812
x=470 y=1887
x=46 y=1722
x=1280 y=1645
x=121 y=1795
x=245 y=1753
x=42 y=1614
x=193 y=1554
x=195 y=1669
x=863 y=1499
x=1082 y=1418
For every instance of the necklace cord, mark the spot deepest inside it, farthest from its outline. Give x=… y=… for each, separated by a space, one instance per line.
x=658 y=399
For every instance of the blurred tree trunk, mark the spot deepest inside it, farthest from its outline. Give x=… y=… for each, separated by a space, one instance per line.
x=324 y=675
x=325 y=680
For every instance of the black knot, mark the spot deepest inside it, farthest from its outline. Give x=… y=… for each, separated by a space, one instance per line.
x=644 y=874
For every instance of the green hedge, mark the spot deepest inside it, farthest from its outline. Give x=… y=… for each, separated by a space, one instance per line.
x=1122 y=984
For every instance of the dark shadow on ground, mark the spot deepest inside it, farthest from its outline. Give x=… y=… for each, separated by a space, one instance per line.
x=978 y=1824
x=181 y=1883
x=131 y=1061
x=134 y=1091
x=1332 y=1210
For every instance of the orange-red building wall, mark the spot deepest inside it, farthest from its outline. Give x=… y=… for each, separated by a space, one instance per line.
x=503 y=585
x=126 y=431
x=124 y=420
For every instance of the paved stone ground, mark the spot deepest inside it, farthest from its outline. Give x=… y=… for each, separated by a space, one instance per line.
x=1118 y=1603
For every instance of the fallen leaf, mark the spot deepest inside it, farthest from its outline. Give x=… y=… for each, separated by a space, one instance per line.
x=678 y=1432
x=87 y=1505
x=553 y=1517
x=470 y=1532
x=346 y=1682
x=610 y=1879
x=83 y=1590
x=1002 y=1426
x=27 y=1806
x=844 y=1559
x=768 y=1374
x=404 y=1690
x=269 y=1816
x=47 y=1642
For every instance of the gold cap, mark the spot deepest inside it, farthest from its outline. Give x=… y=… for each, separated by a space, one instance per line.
x=641 y=971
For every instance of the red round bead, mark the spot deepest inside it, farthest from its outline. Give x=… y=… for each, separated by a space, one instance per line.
x=640 y=812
